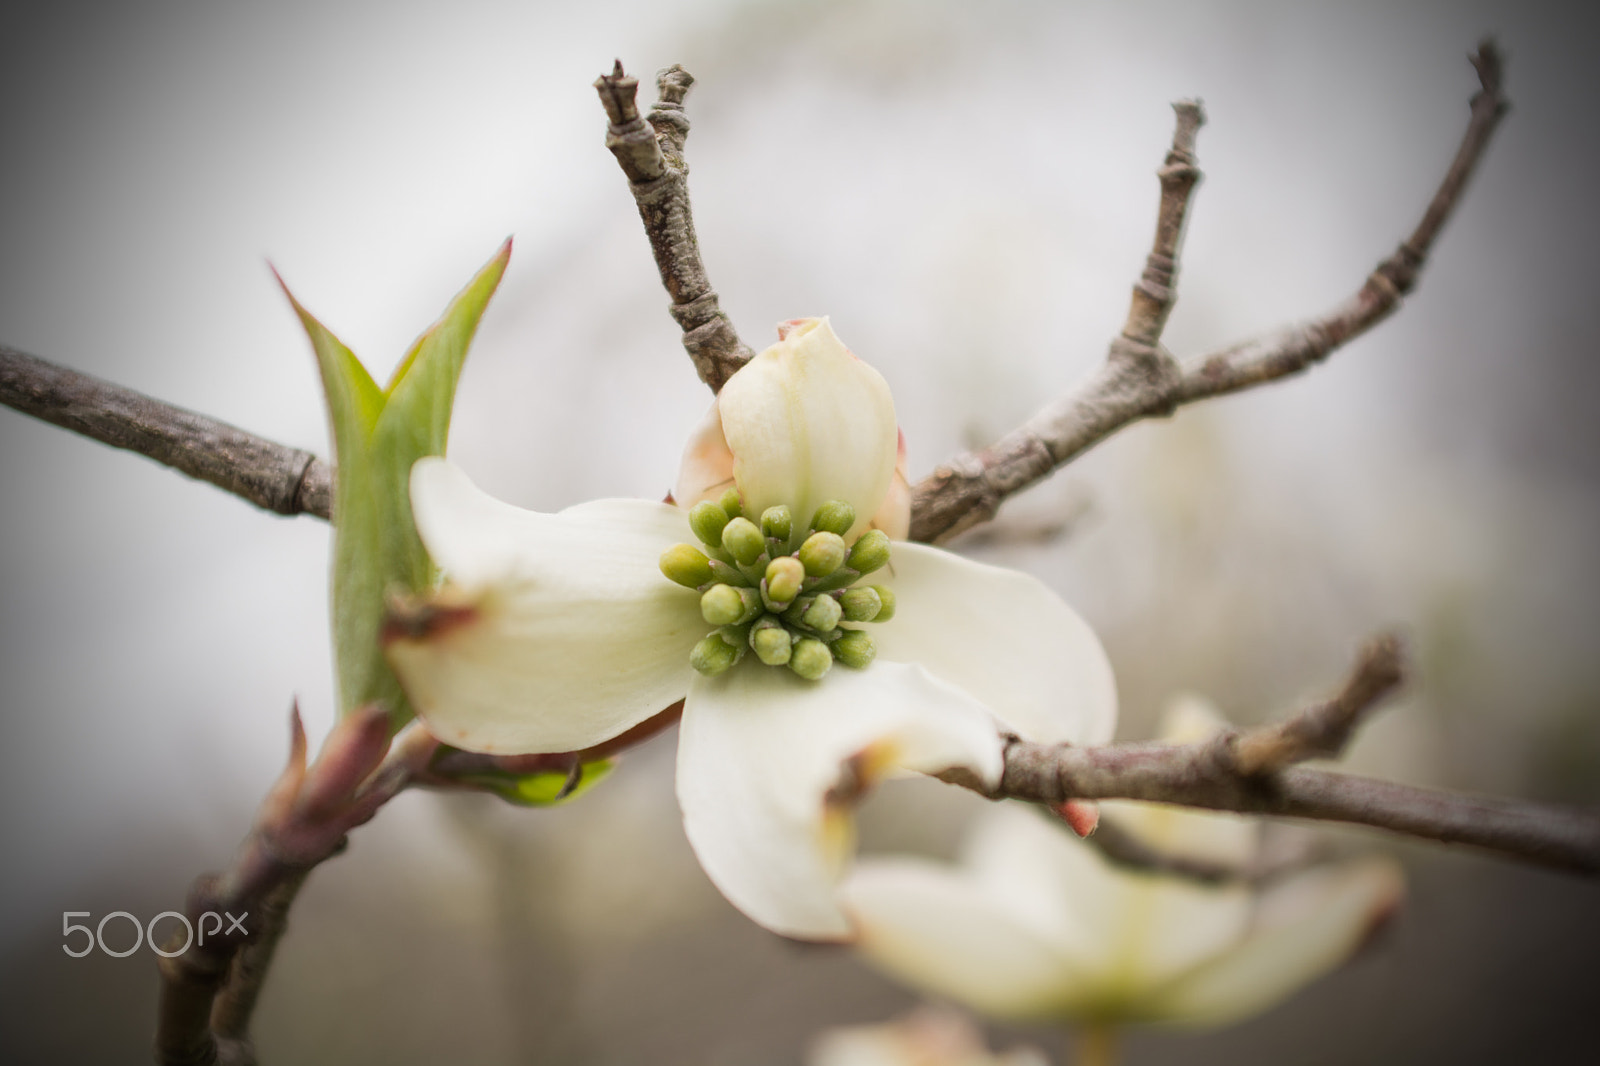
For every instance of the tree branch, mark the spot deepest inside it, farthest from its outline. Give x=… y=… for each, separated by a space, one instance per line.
x=209 y=990
x=651 y=156
x=272 y=476
x=1253 y=773
x=1140 y=379
x=1193 y=775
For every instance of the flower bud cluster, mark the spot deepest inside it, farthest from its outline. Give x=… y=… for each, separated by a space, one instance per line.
x=780 y=591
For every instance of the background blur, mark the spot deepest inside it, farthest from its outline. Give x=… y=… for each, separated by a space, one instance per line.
x=968 y=190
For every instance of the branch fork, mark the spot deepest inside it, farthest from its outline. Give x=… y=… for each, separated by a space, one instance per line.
x=970 y=489
x=651 y=156
x=1259 y=772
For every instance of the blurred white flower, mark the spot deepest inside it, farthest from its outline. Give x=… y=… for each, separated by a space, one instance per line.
x=927 y=1037
x=559 y=632
x=1038 y=924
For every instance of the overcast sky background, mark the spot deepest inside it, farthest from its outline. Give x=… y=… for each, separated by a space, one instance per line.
x=968 y=190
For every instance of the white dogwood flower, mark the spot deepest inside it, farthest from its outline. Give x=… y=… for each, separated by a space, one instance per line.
x=1038 y=924
x=556 y=632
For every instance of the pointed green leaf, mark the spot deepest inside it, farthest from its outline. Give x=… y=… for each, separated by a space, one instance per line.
x=377 y=436
x=357 y=580
x=416 y=420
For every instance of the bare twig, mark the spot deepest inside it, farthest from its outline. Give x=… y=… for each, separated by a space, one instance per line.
x=272 y=476
x=1323 y=731
x=1155 y=293
x=1198 y=775
x=209 y=990
x=1140 y=379
x=1252 y=774
x=236 y=1001
x=650 y=153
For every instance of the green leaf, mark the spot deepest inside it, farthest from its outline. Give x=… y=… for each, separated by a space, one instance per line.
x=416 y=420
x=377 y=436
x=543 y=788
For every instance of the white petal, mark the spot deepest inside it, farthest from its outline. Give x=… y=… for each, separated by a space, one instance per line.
x=706 y=471
x=1034 y=869
x=808 y=422
x=759 y=751
x=1003 y=637
x=936 y=929
x=1306 y=927
x=558 y=632
x=1126 y=933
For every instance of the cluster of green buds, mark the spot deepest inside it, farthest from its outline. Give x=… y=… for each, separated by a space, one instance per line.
x=786 y=606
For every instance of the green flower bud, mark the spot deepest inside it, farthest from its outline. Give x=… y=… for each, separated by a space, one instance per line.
x=841 y=578
x=822 y=554
x=687 y=565
x=823 y=614
x=777 y=522
x=728 y=575
x=713 y=656
x=810 y=658
x=861 y=605
x=724 y=605
x=855 y=649
x=707 y=520
x=771 y=641
x=736 y=635
x=731 y=503
x=835 y=516
x=886 y=594
x=784 y=575
x=870 y=551
x=743 y=541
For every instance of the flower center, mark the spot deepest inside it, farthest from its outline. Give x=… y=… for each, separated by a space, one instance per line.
x=786 y=606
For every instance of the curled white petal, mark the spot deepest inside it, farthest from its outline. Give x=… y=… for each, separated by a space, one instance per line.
x=770 y=764
x=1003 y=637
x=807 y=422
x=706 y=471
x=554 y=632
x=1305 y=927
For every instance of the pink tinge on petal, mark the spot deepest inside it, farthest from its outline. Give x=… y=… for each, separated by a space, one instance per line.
x=788 y=327
x=894 y=517
x=1082 y=816
x=706 y=471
